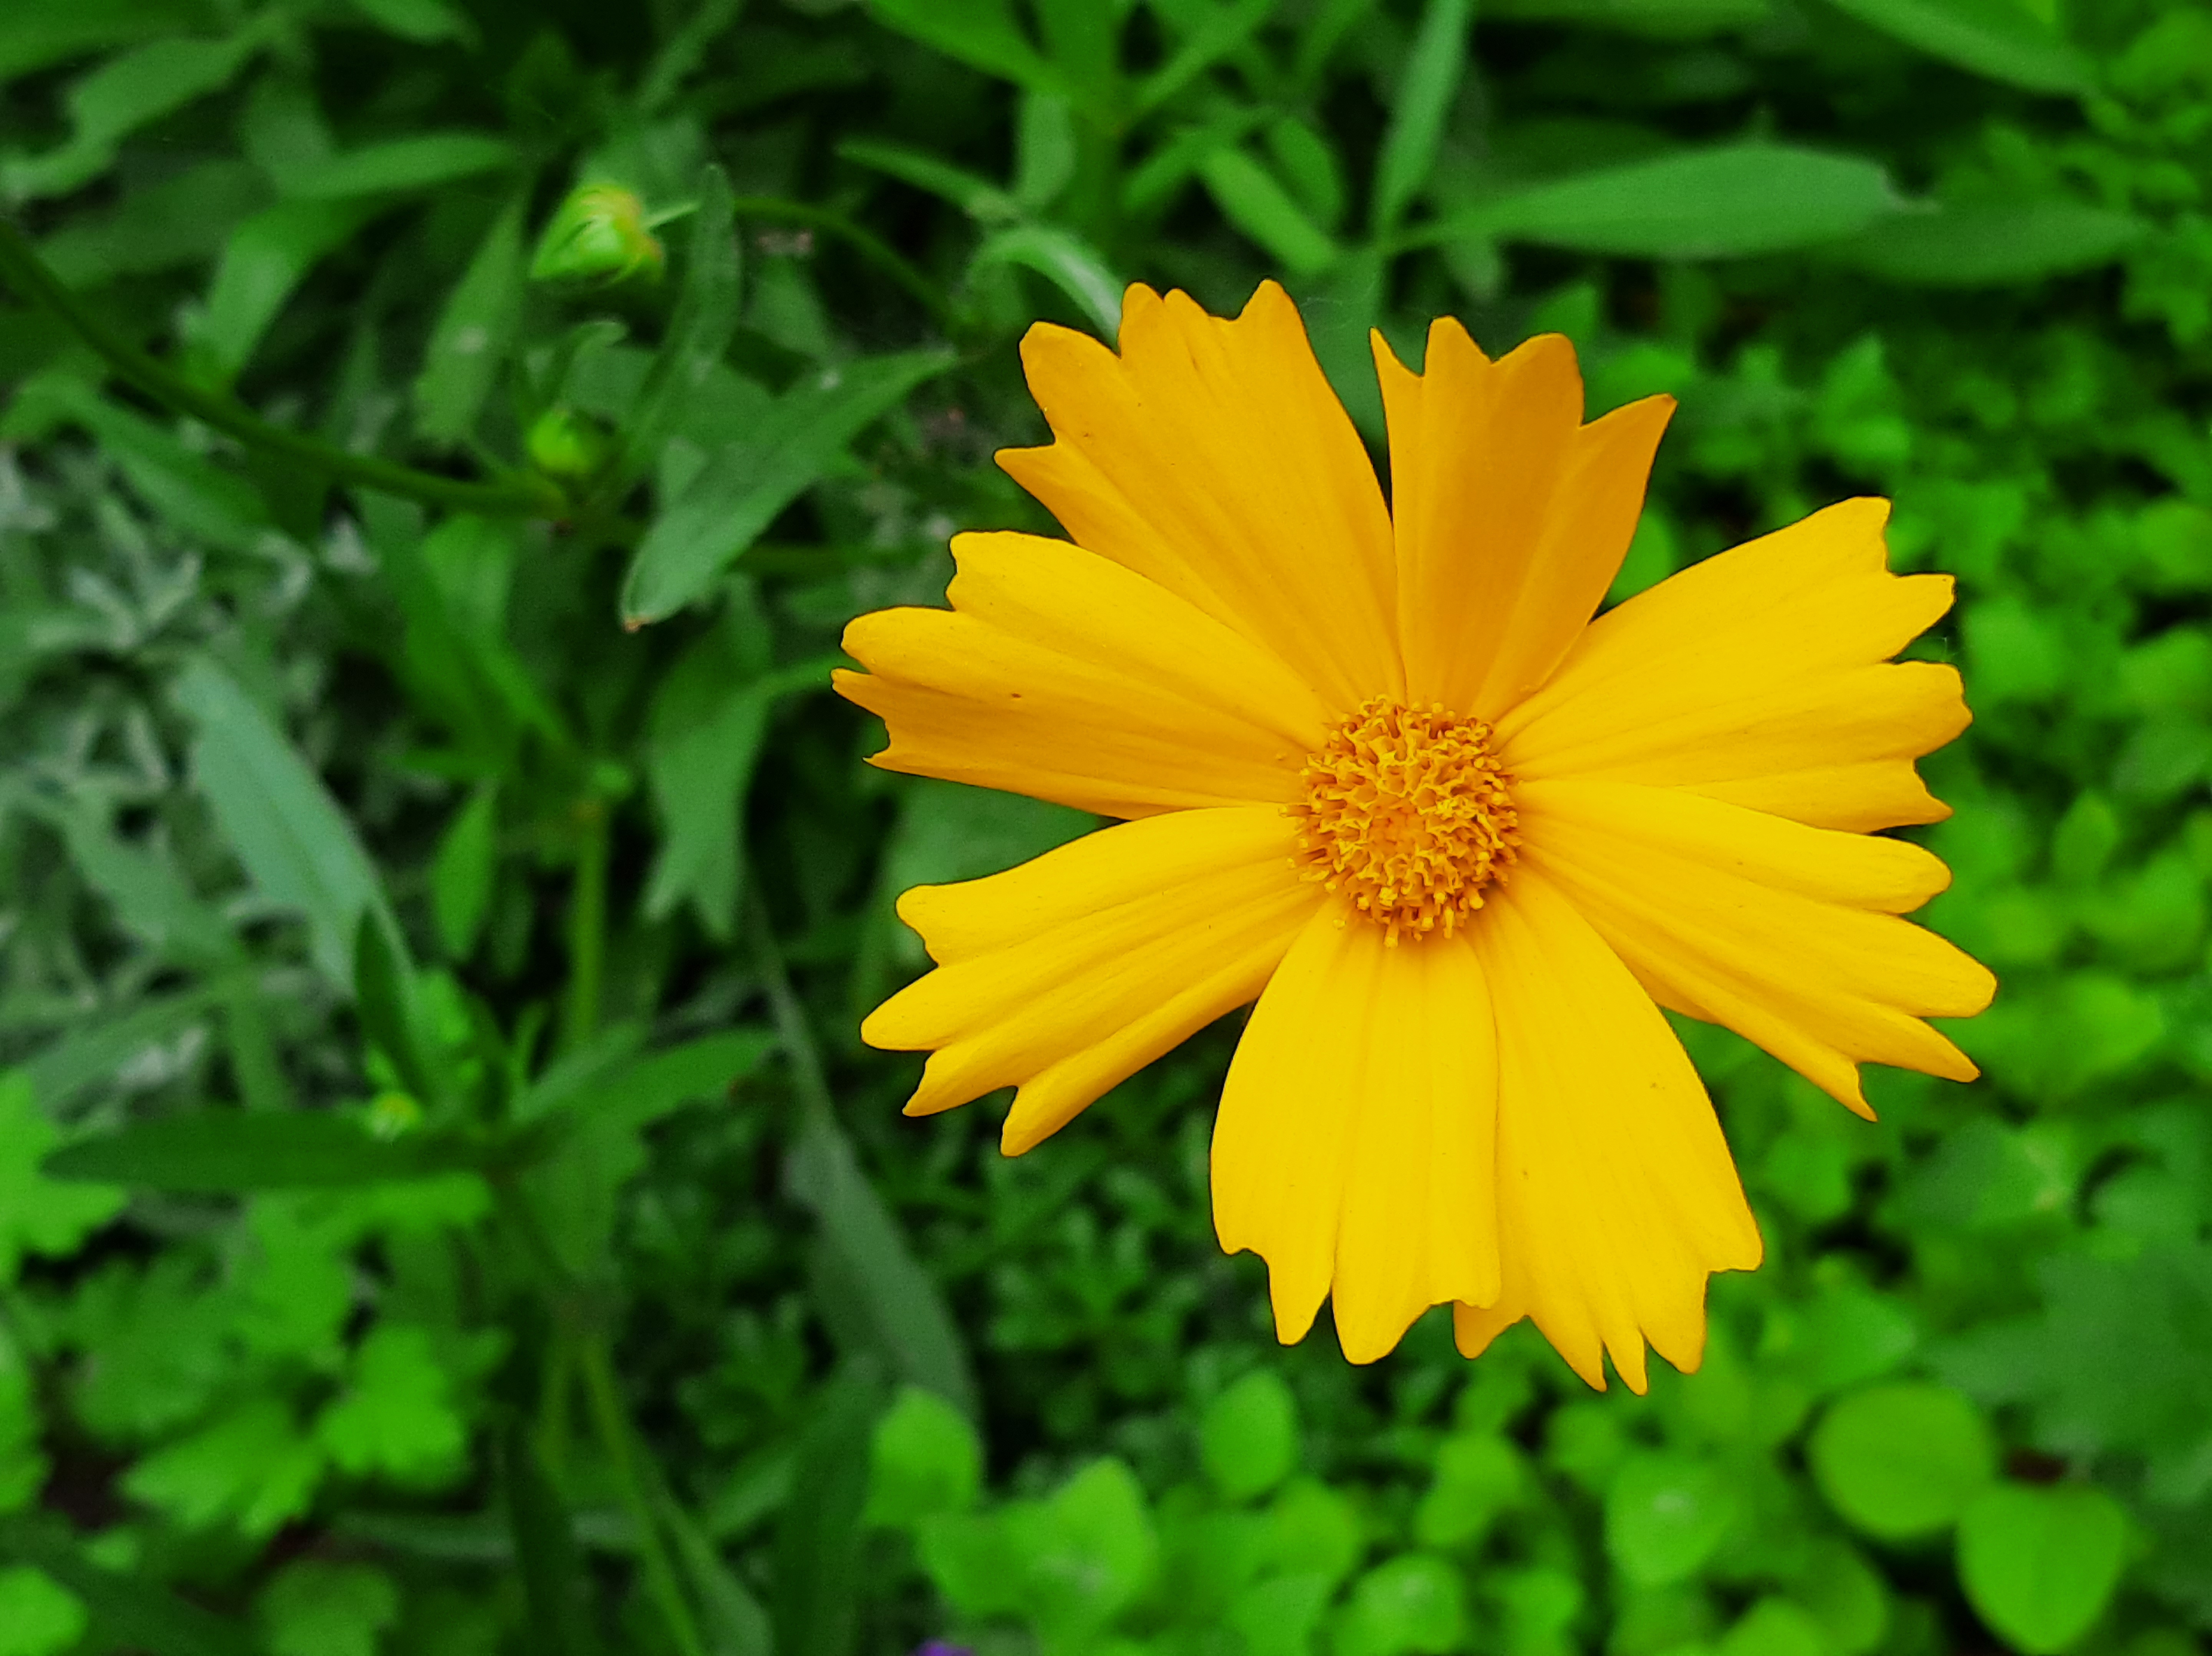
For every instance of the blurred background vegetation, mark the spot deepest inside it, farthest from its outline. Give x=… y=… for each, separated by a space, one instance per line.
x=444 y=1206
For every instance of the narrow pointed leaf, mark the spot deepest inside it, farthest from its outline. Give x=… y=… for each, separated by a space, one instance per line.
x=742 y=488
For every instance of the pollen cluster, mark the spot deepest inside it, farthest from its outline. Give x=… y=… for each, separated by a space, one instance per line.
x=1406 y=811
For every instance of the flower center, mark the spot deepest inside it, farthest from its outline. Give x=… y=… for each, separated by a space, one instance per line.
x=1406 y=811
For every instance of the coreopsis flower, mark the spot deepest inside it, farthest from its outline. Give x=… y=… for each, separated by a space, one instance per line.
x=1377 y=767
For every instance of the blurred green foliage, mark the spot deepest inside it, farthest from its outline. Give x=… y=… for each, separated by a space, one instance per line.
x=444 y=1206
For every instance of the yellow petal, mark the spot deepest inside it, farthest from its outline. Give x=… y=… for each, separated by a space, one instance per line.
x=1757 y=677
x=1787 y=934
x=1616 y=1195
x=1072 y=972
x=1354 y=1147
x=1212 y=457
x=1511 y=516
x=1060 y=675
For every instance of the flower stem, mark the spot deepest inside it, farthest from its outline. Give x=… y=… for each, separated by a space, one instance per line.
x=809 y=1079
x=621 y=1446
x=519 y=495
x=587 y=923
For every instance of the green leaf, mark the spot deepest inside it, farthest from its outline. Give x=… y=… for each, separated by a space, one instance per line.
x=1775 y=1627
x=741 y=489
x=424 y=21
x=973 y=194
x=129 y=1612
x=703 y=738
x=732 y=1618
x=872 y=1289
x=126 y=93
x=699 y=329
x=147 y=895
x=463 y=870
x=92 y=1052
x=224 y=1150
x=1307 y=162
x=402 y=166
x=1665 y=19
x=1416 y=1604
x=182 y=486
x=1340 y=308
x=2040 y=1565
x=816 y=1594
x=384 y=996
x=251 y=1468
x=1248 y=1437
x=1992 y=243
x=24 y=1465
x=1665 y=1516
x=396 y=1417
x=1250 y=198
x=545 y=1552
x=982 y=34
x=1714 y=204
x=1426 y=90
x=314 y=1608
x=1478 y=1475
x=1902 y=1460
x=1313 y=1529
x=695 y=1072
x=1065 y=259
x=1088 y=1551
x=926 y=1460
x=454 y=585
x=1222 y=30
x=1846 y=1597
x=264 y=264
x=38 y=1213
x=475 y=332
x=35 y=37
x=38 y=1616
x=296 y=845
x=185 y=220
x=2003 y=39
x=607 y=1099
x=1278 y=1615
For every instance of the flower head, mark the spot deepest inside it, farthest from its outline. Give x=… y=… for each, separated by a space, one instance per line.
x=1378 y=768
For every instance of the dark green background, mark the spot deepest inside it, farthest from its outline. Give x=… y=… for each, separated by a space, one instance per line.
x=444 y=1205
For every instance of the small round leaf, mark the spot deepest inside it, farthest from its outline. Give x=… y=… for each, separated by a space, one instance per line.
x=1664 y=1516
x=1248 y=1437
x=1775 y=1627
x=1415 y=1605
x=1901 y=1461
x=926 y=1460
x=2039 y=1564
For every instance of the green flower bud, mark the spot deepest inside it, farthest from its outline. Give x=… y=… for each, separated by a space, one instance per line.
x=393 y=1114
x=598 y=236
x=563 y=443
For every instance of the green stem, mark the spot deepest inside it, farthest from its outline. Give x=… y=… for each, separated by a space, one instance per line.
x=607 y=1413
x=521 y=496
x=869 y=246
x=809 y=1077
x=587 y=924
x=260 y=1074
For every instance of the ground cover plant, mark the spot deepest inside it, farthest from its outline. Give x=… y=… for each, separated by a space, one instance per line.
x=445 y=1205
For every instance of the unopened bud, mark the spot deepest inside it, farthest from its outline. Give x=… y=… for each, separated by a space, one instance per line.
x=392 y=1114
x=563 y=443
x=597 y=235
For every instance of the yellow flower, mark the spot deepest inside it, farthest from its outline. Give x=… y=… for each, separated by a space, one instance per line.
x=1379 y=768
